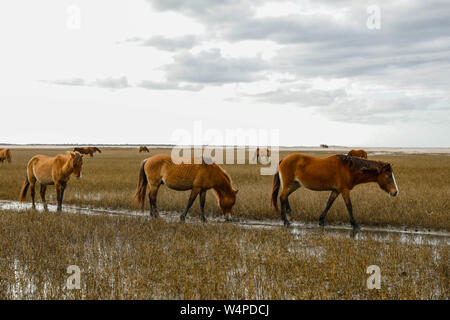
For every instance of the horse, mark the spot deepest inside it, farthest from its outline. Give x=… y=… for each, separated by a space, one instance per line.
x=51 y=171
x=87 y=150
x=5 y=155
x=338 y=174
x=143 y=149
x=358 y=153
x=180 y=175
x=261 y=151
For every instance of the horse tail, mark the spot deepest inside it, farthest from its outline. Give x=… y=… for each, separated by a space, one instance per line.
x=23 y=191
x=141 y=190
x=276 y=187
x=8 y=155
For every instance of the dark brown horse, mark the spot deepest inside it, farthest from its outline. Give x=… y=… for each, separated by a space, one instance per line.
x=51 y=171
x=358 y=153
x=338 y=174
x=5 y=155
x=143 y=149
x=160 y=169
x=87 y=150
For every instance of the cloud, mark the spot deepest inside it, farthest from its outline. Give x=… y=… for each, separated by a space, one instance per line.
x=109 y=82
x=211 y=67
x=153 y=85
x=112 y=83
x=167 y=44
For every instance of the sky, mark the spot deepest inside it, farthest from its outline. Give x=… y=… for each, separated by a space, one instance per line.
x=338 y=72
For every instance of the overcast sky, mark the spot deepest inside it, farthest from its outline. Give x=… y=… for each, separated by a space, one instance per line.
x=322 y=71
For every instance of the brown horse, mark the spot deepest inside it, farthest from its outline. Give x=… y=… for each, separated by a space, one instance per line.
x=160 y=169
x=338 y=174
x=5 y=155
x=358 y=153
x=143 y=149
x=51 y=170
x=87 y=150
x=261 y=152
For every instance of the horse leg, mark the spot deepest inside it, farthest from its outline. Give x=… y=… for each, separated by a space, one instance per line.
x=192 y=197
x=294 y=186
x=43 y=190
x=63 y=188
x=33 y=191
x=152 y=196
x=331 y=199
x=284 y=204
x=202 y=204
x=59 y=187
x=348 y=203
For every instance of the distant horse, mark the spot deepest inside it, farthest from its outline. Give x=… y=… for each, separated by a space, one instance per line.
x=5 y=155
x=51 y=171
x=143 y=149
x=87 y=150
x=338 y=173
x=358 y=153
x=261 y=152
x=160 y=169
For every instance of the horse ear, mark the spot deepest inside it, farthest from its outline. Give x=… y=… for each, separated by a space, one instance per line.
x=72 y=154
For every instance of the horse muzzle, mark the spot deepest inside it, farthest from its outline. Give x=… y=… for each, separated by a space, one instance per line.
x=79 y=177
x=393 y=194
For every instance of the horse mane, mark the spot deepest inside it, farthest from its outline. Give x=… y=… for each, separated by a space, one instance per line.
x=358 y=164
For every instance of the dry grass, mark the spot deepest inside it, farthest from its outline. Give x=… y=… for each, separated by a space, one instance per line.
x=140 y=258
x=110 y=178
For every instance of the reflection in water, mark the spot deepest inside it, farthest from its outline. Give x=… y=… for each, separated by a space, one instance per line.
x=298 y=229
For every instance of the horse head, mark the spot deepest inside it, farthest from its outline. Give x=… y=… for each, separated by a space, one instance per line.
x=385 y=178
x=227 y=201
x=77 y=163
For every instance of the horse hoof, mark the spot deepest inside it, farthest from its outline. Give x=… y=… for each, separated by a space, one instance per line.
x=287 y=223
x=182 y=218
x=322 y=223
x=356 y=227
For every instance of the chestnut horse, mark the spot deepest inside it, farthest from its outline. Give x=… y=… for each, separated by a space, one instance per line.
x=87 y=150
x=143 y=149
x=261 y=152
x=358 y=153
x=338 y=174
x=5 y=155
x=160 y=169
x=51 y=170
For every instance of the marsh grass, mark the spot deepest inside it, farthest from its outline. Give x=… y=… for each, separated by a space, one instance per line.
x=140 y=258
x=110 y=178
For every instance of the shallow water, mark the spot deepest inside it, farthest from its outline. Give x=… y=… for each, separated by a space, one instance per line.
x=297 y=228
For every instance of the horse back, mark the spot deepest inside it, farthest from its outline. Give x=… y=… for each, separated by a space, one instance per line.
x=180 y=176
x=314 y=173
x=46 y=169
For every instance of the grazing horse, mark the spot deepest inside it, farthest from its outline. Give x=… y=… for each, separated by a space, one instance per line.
x=87 y=150
x=51 y=170
x=338 y=174
x=160 y=169
x=358 y=153
x=265 y=152
x=5 y=155
x=143 y=149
